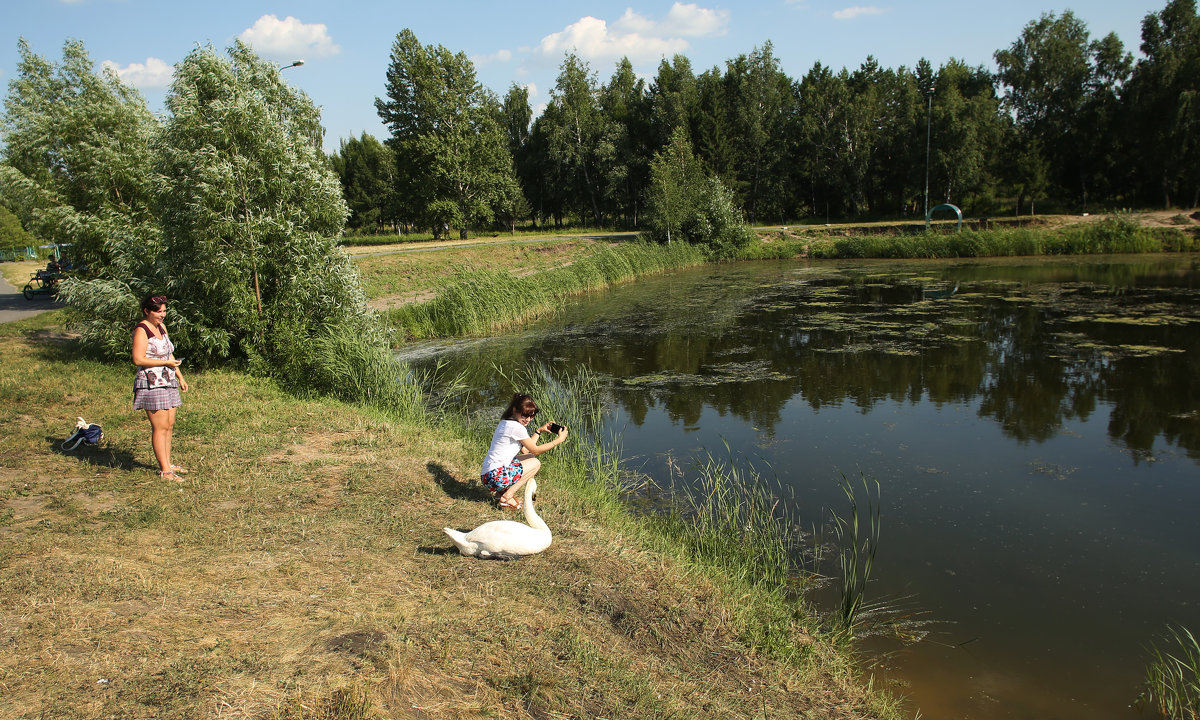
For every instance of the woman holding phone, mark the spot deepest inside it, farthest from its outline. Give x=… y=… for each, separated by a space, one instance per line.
x=158 y=382
x=512 y=458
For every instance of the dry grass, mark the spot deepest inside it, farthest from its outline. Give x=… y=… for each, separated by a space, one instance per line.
x=301 y=572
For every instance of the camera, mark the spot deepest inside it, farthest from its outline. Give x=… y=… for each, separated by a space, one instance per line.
x=555 y=428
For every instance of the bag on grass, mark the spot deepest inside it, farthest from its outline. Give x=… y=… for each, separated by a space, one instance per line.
x=85 y=432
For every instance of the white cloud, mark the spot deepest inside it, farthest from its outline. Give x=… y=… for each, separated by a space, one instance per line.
x=636 y=36
x=289 y=39
x=852 y=12
x=500 y=56
x=153 y=73
x=690 y=20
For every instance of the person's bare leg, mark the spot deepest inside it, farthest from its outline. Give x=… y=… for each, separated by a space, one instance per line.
x=529 y=467
x=171 y=436
x=161 y=422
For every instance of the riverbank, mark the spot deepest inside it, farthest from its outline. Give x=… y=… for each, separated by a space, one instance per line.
x=448 y=290
x=301 y=571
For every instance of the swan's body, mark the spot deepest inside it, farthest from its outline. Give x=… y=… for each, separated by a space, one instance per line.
x=506 y=539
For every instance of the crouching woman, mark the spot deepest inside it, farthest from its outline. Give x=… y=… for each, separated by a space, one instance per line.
x=512 y=457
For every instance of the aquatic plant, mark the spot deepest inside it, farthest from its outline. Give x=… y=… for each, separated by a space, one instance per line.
x=477 y=301
x=731 y=519
x=857 y=535
x=1172 y=683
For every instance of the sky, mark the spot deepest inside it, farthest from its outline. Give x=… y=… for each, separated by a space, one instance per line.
x=346 y=45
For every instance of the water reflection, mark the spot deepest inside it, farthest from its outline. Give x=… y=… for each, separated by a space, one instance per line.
x=1036 y=431
x=1034 y=354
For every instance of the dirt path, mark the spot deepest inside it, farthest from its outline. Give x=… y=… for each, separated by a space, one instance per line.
x=14 y=306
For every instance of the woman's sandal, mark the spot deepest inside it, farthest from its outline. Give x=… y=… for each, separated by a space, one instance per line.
x=169 y=475
x=177 y=469
x=512 y=504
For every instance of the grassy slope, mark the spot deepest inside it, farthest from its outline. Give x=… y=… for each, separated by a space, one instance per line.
x=301 y=572
x=397 y=274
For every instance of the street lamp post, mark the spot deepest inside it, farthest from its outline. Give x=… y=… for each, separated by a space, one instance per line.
x=298 y=63
x=928 y=122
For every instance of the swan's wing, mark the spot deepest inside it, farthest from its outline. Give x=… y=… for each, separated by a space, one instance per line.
x=498 y=529
x=508 y=537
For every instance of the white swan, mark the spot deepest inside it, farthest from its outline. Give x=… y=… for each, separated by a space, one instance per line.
x=506 y=539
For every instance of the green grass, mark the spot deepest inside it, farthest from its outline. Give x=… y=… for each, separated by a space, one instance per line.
x=372 y=240
x=409 y=275
x=1112 y=235
x=1173 y=677
x=482 y=301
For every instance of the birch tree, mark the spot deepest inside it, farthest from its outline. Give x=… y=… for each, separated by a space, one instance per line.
x=453 y=162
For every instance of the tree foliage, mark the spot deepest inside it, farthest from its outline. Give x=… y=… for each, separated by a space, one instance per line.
x=1067 y=122
x=227 y=206
x=452 y=157
x=689 y=205
x=251 y=211
x=367 y=170
x=78 y=161
x=12 y=235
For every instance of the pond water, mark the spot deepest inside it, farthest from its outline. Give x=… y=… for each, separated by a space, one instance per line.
x=1034 y=425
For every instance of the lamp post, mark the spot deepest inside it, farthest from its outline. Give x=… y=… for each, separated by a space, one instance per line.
x=928 y=122
x=298 y=63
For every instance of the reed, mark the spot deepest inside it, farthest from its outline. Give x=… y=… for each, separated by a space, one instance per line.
x=346 y=365
x=857 y=540
x=480 y=301
x=1172 y=683
x=1111 y=235
x=732 y=521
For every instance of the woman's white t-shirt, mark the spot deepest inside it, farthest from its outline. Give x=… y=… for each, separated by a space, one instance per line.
x=506 y=445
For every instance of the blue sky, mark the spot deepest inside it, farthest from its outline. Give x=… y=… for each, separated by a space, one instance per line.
x=345 y=45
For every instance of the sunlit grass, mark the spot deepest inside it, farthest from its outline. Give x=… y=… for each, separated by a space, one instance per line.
x=1111 y=235
x=477 y=302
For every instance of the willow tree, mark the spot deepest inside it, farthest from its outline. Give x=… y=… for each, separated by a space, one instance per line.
x=78 y=168
x=251 y=213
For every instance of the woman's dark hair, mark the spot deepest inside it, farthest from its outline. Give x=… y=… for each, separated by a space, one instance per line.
x=521 y=404
x=153 y=302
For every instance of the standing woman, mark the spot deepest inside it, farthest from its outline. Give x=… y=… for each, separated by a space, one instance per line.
x=158 y=381
x=512 y=458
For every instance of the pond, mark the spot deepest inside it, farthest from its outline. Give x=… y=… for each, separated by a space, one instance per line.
x=1034 y=425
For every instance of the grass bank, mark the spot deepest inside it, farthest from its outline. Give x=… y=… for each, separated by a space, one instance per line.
x=1112 y=235
x=485 y=299
x=301 y=572
x=416 y=274
x=523 y=233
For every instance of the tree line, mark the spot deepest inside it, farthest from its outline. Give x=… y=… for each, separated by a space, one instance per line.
x=1066 y=122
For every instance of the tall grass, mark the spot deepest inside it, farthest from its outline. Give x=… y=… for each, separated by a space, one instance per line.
x=1173 y=677
x=351 y=367
x=1111 y=235
x=482 y=301
x=857 y=536
x=731 y=520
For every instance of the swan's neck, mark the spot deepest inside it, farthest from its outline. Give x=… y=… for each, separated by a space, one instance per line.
x=531 y=515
